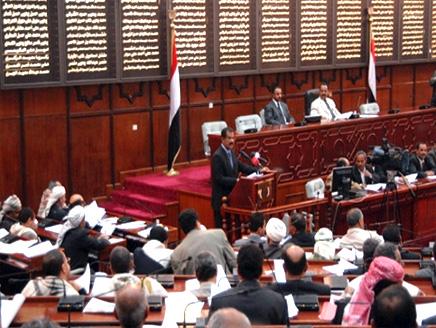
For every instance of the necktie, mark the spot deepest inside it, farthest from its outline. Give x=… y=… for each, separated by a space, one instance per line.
x=281 y=111
x=229 y=155
x=330 y=110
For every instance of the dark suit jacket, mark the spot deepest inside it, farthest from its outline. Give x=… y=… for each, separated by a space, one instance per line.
x=298 y=287
x=224 y=176
x=57 y=212
x=416 y=167
x=303 y=239
x=356 y=177
x=274 y=116
x=77 y=245
x=261 y=305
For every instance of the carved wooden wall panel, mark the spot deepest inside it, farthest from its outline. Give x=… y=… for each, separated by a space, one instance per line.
x=91 y=127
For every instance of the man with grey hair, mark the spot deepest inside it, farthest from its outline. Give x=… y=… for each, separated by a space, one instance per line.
x=228 y=318
x=356 y=233
x=131 y=307
x=205 y=272
x=9 y=212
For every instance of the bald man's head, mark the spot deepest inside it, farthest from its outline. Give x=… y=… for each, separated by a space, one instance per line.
x=76 y=199
x=294 y=258
x=131 y=306
x=228 y=318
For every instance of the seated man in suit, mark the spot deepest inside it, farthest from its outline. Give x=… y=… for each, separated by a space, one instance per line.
x=196 y=241
x=276 y=112
x=324 y=106
x=295 y=266
x=392 y=233
x=260 y=304
x=363 y=174
x=56 y=272
x=421 y=163
x=432 y=155
x=225 y=172
x=156 y=247
x=297 y=230
x=257 y=231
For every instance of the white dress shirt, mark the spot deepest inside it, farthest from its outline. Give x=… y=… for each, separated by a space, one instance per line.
x=319 y=107
x=158 y=252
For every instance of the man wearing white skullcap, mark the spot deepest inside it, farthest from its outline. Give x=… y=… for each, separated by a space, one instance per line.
x=56 y=206
x=275 y=232
x=74 y=239
x=10 y=210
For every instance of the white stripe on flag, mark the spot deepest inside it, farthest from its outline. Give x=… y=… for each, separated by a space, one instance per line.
x=372 y=83
x=174 y=84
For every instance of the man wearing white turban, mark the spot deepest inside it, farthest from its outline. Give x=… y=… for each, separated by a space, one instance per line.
x=10 y=210
x=56 y=207
x=275 y=232
x=74 y=238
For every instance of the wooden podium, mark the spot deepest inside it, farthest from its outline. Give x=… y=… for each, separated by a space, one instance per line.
x=253 y=193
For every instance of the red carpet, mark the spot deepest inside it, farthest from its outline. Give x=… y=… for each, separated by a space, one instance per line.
x=145 y=196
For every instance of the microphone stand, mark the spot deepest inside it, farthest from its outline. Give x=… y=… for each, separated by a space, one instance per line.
x=184 y=311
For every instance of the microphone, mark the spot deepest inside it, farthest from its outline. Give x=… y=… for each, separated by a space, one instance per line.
x=260 y=159
x=245 y=155
x=184 y=311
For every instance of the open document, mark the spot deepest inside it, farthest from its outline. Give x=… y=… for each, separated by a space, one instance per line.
x=10 y=308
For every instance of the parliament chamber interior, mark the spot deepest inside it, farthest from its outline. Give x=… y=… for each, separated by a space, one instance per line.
x=166 y=161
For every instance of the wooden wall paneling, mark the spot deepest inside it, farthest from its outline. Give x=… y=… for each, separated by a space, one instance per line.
x=197 y=116
x=421 y=132
x=402 y=86
x=423 y=90
x=384 y=99
x=44 y=102
x=238 y=87
x=296 y=105
x=9 y=104
x=204 y=90
x=265 y=84
x=354 y=78
x=297 y=83
x=45 y=153
x=232 y=111
x=352 y=99
x=89 y=99
x=130 y=96
x=90 y=167
x=10 y=157
x=132 y=147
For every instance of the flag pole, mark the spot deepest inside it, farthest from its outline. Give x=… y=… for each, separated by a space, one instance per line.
x=174 y=113
x=372 y=79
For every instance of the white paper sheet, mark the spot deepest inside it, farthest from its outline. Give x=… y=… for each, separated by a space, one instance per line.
x=279 y=272
x=3 y=233
x=344 y=116
x=39 y=249
x=424 y=311
x=180 y=306
x=102 y=285
x=96 y=305
x=17 y=247
x=10 y=309
x=93 y=214
x=109 y=220
x=131 y=225
x=115 y=240
x=107 y=229
x=55 y=228
x=376 y=187
x=144 y=233
x=84 y=281
x=338 y=269
x=292 y=308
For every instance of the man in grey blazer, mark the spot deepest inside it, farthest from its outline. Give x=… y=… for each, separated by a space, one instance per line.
x=196 y=241
x=276 y=112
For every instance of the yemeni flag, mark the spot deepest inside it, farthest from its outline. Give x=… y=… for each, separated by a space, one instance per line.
x=174 y=119
x=372 y=80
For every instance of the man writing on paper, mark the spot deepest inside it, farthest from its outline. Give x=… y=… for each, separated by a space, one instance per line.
x=324 y=106
x=225 y=171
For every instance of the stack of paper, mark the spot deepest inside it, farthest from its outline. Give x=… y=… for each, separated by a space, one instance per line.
x=279 y=272
x=55 y=228
x=181 y=307
x=10 y=308
x=93 y=214
x=39 y=249
x=96 y=305
x=84 y=281
x=338 y=269
x=131 y=225
x=3 y=233
x=17 y=247
x=292 y=308
x=424 y=311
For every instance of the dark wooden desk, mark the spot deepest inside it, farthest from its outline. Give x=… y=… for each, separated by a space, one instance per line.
x=311 y=151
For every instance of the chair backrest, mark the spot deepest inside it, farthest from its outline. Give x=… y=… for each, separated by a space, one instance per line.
x=144 y=264
x=309 y=97
x=214 y=127
x=248 y=123
x=315 y=188
x=262 y=116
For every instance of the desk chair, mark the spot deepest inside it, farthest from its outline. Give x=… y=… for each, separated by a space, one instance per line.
x=309 y=97
x=248 y=123
x=207 y=128
x=262 y=116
